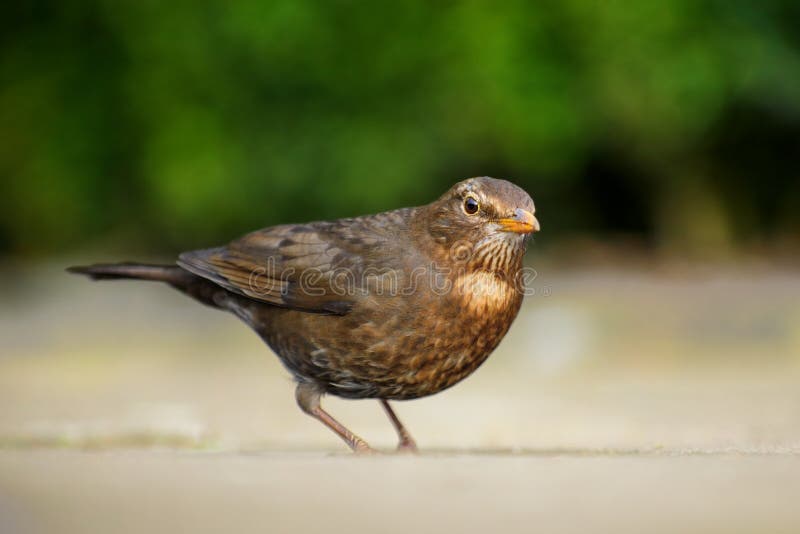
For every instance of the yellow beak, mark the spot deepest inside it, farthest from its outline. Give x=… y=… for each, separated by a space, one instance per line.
x=523 y=222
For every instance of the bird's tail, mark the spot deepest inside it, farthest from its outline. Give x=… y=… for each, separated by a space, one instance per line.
x=171 y=274
x=195 y=286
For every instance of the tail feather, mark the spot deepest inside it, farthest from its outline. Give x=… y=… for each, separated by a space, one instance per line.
x=115 y=271
x=195 y=286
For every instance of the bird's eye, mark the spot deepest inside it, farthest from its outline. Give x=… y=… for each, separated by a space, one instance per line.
x=471 y=205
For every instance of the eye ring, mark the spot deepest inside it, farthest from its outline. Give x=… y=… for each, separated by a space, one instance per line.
x=471 y=205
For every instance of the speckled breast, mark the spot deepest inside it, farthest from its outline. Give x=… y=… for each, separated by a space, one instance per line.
x=470 y=324
x=416 y=348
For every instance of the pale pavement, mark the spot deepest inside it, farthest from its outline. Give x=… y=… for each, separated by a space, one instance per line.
x=620 y=401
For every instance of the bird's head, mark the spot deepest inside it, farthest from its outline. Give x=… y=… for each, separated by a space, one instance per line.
x=484 y=221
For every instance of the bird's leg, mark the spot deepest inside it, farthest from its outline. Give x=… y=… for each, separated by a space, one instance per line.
x=407 y=443
x=308 y=398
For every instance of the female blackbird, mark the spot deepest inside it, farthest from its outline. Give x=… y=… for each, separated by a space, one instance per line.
x=392 y=306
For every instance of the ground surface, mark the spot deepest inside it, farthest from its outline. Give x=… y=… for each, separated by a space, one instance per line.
x=657 y=399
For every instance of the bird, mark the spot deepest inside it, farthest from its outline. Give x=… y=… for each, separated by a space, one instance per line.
x=393 y=306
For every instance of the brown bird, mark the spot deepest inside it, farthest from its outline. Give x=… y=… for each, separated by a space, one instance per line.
x=393 y=306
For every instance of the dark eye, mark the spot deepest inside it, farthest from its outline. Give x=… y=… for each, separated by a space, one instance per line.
x=471 y=205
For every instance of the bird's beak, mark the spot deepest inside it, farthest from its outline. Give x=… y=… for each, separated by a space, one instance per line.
x=523 y=222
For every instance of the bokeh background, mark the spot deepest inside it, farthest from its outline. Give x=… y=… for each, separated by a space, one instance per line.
x=652 y=382
x=164 y=126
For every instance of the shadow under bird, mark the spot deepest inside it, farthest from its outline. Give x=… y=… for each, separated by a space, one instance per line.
x=393 y=306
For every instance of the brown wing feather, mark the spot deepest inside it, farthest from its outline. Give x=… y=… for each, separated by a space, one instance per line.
x=314 y=267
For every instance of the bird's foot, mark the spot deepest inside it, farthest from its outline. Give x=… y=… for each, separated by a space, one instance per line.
x=407 y=446
x=360 y=447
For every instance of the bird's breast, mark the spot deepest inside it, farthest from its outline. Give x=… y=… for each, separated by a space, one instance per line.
x=398 y=346
x=482 y=292
x=456 y=335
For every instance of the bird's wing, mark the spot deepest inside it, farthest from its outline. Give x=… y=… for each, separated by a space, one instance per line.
x=315 y=267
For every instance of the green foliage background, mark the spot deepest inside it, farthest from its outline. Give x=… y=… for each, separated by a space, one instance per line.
x=171 y=125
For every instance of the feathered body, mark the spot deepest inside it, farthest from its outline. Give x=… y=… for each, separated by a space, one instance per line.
x=397 y=305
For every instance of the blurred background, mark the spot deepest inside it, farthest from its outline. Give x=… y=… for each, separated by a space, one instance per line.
x=660 y=141
x=161 y=126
